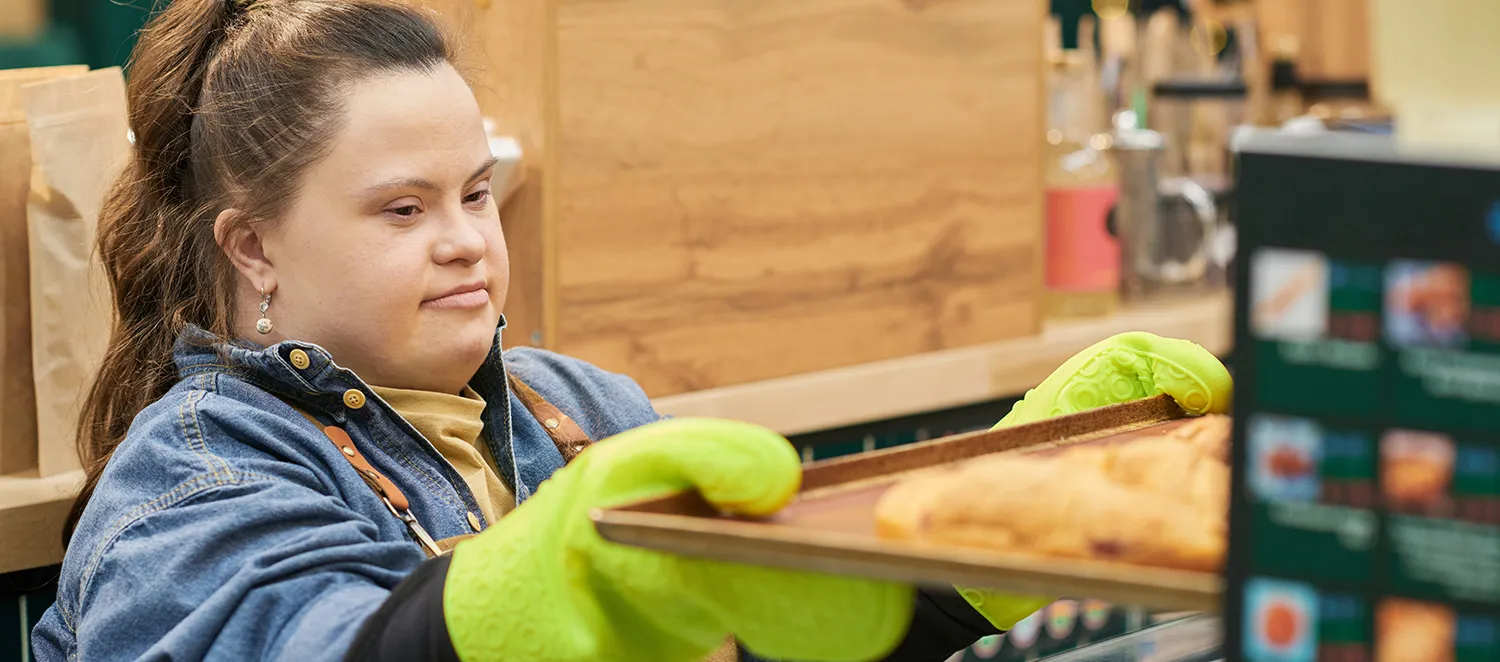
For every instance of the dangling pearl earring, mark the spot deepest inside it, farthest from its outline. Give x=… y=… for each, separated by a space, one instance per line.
x=263 y=324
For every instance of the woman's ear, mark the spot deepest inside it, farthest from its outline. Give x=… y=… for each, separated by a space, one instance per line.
x=245 y=245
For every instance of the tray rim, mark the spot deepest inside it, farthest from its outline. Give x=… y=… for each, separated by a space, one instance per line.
x=682 y=523
x=860 y=469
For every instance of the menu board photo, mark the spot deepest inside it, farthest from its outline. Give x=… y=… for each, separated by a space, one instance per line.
x=1365 y=523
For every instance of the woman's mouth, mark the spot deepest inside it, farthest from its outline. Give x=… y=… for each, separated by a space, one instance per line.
x=468 y=296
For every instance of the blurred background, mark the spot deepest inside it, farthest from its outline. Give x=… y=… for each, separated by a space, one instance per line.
x=44 y=33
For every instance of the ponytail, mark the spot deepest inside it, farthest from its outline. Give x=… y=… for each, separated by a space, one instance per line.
x=201 y=119
x=152 y=260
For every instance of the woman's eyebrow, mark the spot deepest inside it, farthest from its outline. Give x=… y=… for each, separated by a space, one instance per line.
x=401 y=183
x=488 y=163
x=418 y=182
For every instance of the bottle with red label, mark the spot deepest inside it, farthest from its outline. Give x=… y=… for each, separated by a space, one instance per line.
x=1082 y=256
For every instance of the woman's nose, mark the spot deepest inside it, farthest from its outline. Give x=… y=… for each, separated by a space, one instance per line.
x=460 y=241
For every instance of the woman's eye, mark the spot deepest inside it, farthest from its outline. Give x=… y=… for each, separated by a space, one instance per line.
x=477 y=196
x=407 y=210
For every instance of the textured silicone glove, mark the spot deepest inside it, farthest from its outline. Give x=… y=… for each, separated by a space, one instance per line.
x=1126 y=367
x=542 y=586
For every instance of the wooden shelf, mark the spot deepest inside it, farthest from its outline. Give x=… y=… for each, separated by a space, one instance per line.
x=929 y=382
x=32 y=509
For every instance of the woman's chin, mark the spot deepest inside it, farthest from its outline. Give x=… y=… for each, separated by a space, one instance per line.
x=476 y=337
x=446 y=364
x=463 y=326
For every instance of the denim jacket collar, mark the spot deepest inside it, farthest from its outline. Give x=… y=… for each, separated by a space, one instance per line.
x=320 y=389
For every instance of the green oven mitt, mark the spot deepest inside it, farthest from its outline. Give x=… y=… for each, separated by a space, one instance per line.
x=543 y=586
x=1127 y=367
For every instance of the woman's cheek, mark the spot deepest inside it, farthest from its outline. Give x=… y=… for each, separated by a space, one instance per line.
x=383 y=295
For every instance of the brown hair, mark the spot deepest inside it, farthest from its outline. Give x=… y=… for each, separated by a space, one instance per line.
x=230 y=101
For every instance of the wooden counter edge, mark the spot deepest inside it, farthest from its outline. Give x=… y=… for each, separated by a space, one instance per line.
x=32 y=510
x=953 y=378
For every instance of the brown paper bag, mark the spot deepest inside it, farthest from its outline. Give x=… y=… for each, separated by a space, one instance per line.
x=78 y=144
x=17 y=400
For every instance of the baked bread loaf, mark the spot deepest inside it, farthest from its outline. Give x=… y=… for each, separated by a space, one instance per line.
x=1158 y=501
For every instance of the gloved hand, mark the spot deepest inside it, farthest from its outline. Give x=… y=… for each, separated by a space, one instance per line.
x=1126 y=367
x=543 y=586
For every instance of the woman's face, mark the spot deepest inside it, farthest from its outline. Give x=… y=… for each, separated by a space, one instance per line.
x=391 y=257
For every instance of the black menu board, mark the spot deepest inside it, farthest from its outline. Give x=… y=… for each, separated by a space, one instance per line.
x=1365 y=519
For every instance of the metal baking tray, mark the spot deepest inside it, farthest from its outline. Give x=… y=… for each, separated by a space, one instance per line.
x=830 y=526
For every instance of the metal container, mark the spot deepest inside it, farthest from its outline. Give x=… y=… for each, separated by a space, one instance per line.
x=1197 y=115
x=1167 y=227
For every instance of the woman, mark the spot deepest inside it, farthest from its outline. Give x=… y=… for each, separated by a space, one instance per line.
x=304 y=406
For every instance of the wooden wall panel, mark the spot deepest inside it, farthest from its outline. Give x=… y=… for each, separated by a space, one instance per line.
x=754 y=189
x=722 y=191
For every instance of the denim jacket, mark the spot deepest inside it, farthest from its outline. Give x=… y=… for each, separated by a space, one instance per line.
x=228 y=526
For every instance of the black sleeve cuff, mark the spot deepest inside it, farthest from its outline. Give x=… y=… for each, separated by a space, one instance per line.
x=942 y=624
x=409 y=625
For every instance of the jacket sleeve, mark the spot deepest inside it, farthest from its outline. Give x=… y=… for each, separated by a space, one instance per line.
x=410 y=625
x=254 y=569
x=218 y=533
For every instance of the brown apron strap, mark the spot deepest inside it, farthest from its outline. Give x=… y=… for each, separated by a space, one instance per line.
x=565 y=433
x=569 y=438
x=389 y=494
x=382 y=485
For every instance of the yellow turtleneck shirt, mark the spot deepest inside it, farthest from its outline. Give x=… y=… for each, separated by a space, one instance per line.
x=454 y=426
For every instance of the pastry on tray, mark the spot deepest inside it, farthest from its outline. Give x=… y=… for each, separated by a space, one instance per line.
x=1155 y=500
